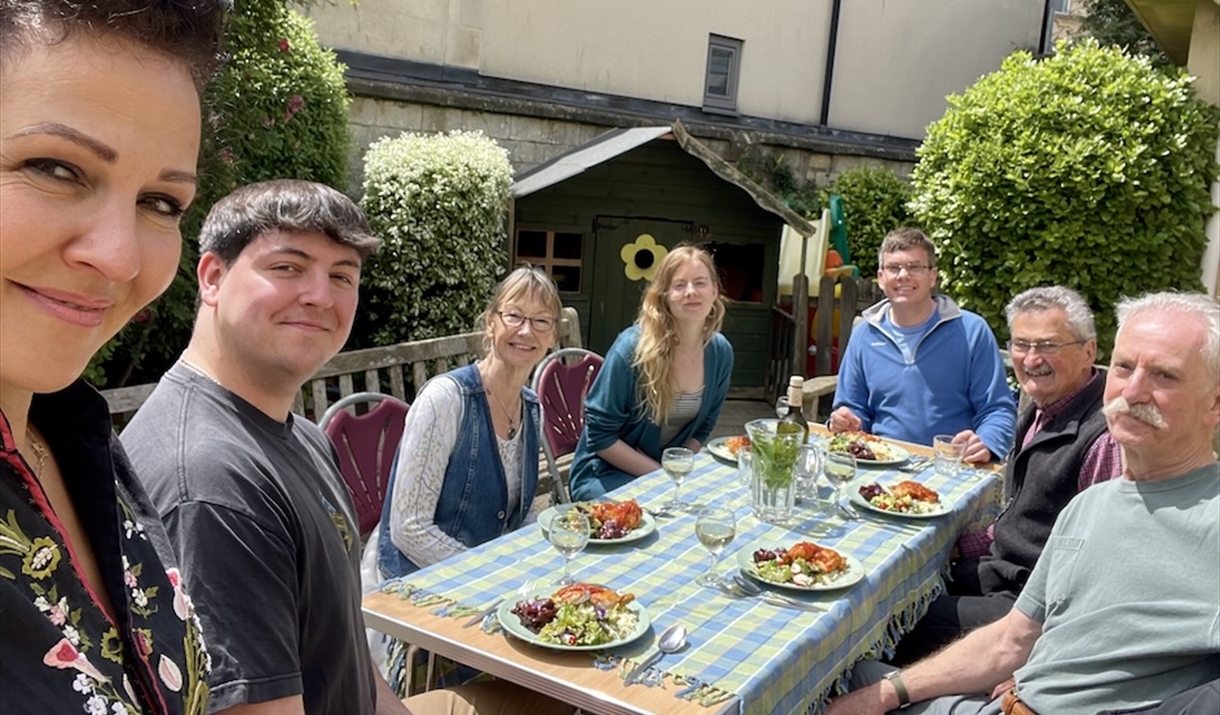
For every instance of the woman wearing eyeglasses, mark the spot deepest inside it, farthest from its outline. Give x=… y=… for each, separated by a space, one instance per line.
x=467 y=468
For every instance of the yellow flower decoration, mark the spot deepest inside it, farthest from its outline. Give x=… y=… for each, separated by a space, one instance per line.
x=41 y=558
x=642 y=257
x=112 y=647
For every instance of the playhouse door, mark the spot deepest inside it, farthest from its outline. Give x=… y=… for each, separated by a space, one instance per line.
x=626 y=253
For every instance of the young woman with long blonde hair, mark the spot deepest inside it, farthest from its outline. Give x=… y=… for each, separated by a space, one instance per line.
x=664 y=380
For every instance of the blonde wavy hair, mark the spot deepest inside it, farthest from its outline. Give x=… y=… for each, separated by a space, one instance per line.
x=653 y=357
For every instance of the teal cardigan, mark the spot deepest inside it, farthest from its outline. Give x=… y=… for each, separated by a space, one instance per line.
x=612 y=412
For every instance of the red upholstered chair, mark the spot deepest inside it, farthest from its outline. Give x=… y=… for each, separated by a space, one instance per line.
x=366 y=445
x=562 y=382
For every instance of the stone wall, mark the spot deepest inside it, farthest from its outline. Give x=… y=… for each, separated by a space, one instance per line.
x=531 y=141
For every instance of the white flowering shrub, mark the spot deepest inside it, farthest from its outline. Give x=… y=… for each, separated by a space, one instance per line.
x=438 y=203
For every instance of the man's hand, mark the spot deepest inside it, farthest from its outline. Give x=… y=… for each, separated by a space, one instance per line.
x=974 y=452
x=865 y=701
x=844 y=420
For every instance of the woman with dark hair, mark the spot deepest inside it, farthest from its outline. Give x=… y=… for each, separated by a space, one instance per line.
x=99 y=140
x=664 y=380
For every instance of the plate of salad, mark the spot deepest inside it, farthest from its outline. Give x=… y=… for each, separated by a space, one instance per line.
x=579 y=617
x=803 y=566
x=726 y=448
x=610 y=522
x=907 y=499
x=869 y=450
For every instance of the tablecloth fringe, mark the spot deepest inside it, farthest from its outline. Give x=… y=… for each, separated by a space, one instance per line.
x=692 y=689
x=898 y=625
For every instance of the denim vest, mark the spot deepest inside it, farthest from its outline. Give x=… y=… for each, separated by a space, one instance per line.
x=473 y=505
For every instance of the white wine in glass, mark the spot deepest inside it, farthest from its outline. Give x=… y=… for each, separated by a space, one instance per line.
x=840 y=469
x=677 y=463
x=568 y=532
x=715 y=528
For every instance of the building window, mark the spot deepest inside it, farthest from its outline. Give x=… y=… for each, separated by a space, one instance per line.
x=723 y=68
x=1061 y=7
x=559 y=253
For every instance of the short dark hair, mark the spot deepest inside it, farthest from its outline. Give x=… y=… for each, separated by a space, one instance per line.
x=905 y=238
x=286 y=205
x=188 y=31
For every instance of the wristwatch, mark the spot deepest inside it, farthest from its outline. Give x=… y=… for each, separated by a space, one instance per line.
x=895 y=678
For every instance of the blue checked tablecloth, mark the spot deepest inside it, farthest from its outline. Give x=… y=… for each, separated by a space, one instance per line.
x=776 y=660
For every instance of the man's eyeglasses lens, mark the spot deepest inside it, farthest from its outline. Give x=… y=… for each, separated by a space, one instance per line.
x=1022 y=347
x=514 y=320
x=913 y=269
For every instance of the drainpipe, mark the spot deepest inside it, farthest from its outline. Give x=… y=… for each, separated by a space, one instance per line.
x=830 y=61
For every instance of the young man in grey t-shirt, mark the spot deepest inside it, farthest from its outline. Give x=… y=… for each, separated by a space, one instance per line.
x=251 y=494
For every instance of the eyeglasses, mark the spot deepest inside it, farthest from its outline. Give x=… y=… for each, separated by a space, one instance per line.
x=1021 y=347
x=514 y=320
x=913 y=269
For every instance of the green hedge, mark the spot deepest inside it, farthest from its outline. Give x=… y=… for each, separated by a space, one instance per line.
x=1088 y=169
x=278 y=109
x=874 y=203
x=438 y=203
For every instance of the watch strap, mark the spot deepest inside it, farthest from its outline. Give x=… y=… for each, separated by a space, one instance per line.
x=895 y=678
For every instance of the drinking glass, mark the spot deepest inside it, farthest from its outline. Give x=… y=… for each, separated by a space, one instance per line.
x=948 y=454
x=715 y=528
x=808 y=466
x=568 y=532
x=781 y=406
x=840 y=469
x=677 y=463
x=745 y=466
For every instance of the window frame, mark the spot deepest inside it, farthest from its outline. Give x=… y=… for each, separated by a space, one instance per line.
x=716 y=103
x=548 y=262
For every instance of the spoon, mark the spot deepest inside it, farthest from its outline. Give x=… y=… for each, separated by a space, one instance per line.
x=749 y=587
x=673 y=639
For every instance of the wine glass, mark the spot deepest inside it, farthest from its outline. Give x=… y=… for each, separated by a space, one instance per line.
x=715 y=527
x=808 y=465
x=568 y=532
x=781 y=406
x=840 y=469
x=677 y=462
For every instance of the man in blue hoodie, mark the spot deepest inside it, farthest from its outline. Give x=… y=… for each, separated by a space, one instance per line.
x=919 y=366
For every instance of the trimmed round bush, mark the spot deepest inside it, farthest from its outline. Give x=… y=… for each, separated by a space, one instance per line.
x=1088 y=169
x=438 y=203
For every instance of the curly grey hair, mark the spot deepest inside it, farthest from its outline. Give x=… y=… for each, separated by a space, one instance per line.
x=1079 y=317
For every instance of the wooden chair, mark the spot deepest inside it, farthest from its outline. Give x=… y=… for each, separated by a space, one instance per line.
x=366 y=445
x=562 y=389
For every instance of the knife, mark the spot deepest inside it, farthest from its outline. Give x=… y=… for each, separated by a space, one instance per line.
x=478 y=617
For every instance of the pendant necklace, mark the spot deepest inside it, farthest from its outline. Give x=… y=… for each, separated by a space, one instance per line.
x=513 y=424
x=39 y=450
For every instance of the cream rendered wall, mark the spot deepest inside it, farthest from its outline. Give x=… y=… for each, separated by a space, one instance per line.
x=1204 y=64
x=898 y=59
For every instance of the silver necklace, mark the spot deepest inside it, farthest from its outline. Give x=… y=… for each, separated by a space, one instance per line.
x=199 y=370
x=513 y=424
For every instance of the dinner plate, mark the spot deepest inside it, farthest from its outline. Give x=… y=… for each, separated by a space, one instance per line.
x=512 y=623
x=646 y=527
x=900 y=455
x=944 y=506
x=719 y=447
x=853 y=575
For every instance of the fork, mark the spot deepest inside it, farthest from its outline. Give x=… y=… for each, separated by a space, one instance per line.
x=915 y=465
x=523 y=591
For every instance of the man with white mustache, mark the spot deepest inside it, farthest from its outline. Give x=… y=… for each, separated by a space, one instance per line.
x=1062 y=447
x=1122 y=611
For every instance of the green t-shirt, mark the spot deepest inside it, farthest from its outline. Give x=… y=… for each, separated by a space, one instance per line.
x=1128 y=592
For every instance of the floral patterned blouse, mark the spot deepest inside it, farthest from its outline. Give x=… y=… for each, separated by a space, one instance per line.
x=60 y=652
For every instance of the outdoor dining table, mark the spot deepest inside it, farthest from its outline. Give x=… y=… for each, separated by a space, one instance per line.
x=743 y=656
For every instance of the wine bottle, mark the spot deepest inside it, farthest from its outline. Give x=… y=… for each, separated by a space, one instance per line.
x=794 y=419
